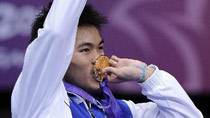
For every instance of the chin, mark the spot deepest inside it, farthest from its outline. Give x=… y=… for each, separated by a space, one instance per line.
x=96 y=87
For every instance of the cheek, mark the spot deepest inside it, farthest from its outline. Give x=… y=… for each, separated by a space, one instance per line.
x=77 y=72
x=80 y=66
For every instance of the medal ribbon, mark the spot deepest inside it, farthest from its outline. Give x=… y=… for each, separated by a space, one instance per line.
x=109 y=105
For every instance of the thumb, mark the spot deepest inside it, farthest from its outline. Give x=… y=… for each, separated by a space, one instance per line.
x=111 y=70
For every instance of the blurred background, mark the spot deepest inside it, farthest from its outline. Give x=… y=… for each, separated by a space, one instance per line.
x=172 y=34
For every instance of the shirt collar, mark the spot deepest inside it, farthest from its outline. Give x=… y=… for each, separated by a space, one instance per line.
x=74 y=97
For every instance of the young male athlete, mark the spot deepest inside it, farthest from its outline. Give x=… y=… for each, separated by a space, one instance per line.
x=58 y=73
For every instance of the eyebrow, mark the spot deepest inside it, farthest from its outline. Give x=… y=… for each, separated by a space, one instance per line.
x=101 y=42
x=89 y=44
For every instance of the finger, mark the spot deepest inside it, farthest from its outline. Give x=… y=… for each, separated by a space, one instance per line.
x=113 y=78
x=115 y=58
x=112 y=62
x=111 y=70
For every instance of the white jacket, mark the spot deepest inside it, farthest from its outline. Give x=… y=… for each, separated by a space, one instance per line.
x=39 y=91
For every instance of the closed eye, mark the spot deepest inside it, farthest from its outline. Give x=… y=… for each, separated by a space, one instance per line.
x=84 y=50
x=101 y=47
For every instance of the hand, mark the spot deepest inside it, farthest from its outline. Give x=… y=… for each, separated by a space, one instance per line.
x=123 y=69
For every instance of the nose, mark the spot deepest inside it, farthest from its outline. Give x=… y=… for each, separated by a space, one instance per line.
x=95 y=56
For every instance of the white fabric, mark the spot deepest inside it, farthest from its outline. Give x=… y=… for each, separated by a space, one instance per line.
x=40 y=93
x=169 y=99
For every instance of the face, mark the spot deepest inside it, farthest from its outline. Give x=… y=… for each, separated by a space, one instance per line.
x=88 y=47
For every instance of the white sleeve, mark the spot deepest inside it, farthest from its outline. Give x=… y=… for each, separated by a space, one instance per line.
x=169 y=99
x=47 y=59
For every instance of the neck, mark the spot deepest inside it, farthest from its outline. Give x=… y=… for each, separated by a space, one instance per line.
x=96 y=93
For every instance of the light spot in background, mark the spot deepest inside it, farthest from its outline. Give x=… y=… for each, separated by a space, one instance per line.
x=15 y=21
x=10 y=59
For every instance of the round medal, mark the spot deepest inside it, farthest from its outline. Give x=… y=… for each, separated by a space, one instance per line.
x=101 y=63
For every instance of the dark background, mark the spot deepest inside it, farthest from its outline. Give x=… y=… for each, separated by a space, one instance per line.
x=201 y=101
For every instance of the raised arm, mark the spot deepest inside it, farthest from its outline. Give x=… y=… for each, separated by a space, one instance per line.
x=47 y=59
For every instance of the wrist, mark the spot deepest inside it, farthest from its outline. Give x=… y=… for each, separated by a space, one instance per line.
x=142 y=77
x=149 y=72
x=146 y=73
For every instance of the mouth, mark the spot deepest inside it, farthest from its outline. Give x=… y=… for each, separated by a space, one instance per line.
x=96 y=76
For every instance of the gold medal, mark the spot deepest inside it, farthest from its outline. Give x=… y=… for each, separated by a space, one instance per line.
x=101 y=63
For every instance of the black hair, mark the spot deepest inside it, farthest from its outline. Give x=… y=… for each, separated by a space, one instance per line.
x=89 y=17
